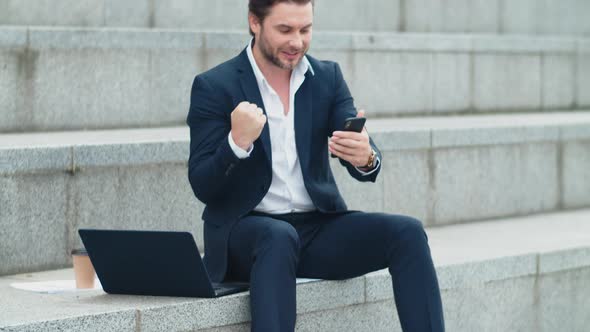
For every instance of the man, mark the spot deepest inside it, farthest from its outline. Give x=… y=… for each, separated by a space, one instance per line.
x=262 y=127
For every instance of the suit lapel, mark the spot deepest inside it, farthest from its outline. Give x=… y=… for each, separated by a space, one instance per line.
x=303 y=120
x=252 y=93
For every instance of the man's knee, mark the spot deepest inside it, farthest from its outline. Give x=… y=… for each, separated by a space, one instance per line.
x=409 y=231
x=281 y=237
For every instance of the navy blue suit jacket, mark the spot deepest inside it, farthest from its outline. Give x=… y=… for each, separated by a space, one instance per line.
x=230 y=187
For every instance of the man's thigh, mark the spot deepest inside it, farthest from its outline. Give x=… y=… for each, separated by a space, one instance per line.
x=248 y=236
x=354 y=244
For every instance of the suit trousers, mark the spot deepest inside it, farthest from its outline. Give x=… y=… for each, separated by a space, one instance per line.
x=271 y=251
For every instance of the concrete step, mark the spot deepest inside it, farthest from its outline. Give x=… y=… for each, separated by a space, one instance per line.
x=442 y=170
x=517 y=274
x=564 y=17
x=69 y=79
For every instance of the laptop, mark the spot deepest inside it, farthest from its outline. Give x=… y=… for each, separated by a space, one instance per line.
x=157 y=263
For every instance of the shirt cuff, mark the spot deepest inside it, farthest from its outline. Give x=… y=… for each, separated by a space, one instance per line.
x=238 y=151
x=377 y=164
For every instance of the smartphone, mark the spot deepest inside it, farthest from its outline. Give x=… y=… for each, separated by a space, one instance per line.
x=353 y=124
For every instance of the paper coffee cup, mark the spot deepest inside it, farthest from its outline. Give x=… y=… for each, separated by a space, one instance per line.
x=83 y=269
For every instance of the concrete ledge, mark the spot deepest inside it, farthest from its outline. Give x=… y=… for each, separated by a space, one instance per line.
x=72 y=39
x=584 y=46
x=490 y=166
x=504 y=256
x=13 y=37
x=35 y=159
x=129 y=38
x=24 y=153
x=83 y=78
x=565 y=17
x=463 y=43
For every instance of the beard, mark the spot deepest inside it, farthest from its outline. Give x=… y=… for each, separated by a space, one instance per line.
x=272 y=55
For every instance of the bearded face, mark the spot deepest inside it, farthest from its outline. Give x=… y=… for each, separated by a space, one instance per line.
x=284 y=36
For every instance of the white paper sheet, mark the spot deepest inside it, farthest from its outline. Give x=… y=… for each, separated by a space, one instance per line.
x=53 y=286
x=305 y=280
x=61 y=286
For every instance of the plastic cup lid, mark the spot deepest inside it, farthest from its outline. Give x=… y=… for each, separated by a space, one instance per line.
x=79 y=251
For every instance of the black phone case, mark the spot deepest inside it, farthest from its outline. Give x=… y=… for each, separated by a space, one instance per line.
x=353 y=124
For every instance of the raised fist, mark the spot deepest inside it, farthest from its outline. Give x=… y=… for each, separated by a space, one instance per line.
x=247 y=121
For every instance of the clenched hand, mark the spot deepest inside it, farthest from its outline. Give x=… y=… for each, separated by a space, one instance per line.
x=247 y=121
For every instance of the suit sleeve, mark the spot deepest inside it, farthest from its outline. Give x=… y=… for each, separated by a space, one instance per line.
x=211 y=159
x=343 y=108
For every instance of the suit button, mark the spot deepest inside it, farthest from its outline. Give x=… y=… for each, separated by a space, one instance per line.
x=229 y=169
x=261 y=189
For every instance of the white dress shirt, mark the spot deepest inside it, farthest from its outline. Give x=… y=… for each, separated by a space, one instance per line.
x=287 y=191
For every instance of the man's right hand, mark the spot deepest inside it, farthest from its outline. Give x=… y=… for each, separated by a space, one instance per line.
x=247 y=121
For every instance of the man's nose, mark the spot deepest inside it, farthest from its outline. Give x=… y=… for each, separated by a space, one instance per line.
x=296 y=42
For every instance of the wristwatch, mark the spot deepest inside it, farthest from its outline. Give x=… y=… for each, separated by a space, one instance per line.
x=371 y=162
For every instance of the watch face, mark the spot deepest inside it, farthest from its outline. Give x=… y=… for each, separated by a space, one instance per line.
x=371 y=161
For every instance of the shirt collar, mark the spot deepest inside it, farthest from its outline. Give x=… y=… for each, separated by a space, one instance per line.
x=302 y=67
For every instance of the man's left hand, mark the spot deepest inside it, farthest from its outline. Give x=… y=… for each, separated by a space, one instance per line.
x=351 y=146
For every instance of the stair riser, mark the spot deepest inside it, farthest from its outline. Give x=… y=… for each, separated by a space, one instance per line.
x=146 y=187
x=564 y=17
x=534 y=302
x=61 y=79
x=550 y=302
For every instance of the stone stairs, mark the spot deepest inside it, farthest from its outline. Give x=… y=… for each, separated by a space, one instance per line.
x=481 y=109
x=512 y=274
x=547 y=17
x=80 y=78
x=442 y=170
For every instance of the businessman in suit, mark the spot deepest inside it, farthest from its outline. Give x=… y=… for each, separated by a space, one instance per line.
x=262 y=126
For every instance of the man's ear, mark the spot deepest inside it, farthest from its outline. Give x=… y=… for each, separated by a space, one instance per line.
x=254 y=23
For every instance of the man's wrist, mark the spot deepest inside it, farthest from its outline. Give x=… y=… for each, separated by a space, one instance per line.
x=242 y=145
x=370 y=162
x=366 y=171
x=240 y=152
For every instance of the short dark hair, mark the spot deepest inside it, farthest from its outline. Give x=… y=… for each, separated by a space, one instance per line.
x=261 y=8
